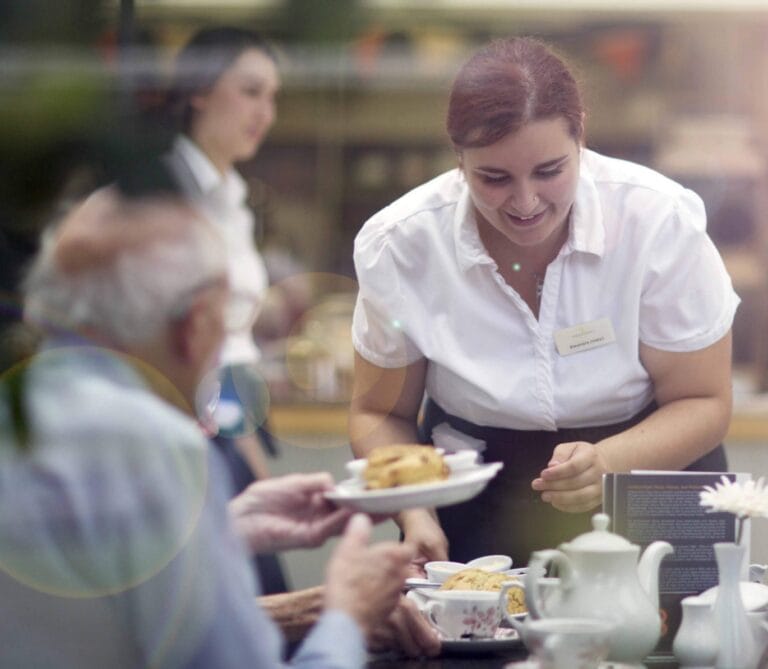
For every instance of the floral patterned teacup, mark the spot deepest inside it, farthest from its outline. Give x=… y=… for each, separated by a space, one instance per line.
x=463 y=613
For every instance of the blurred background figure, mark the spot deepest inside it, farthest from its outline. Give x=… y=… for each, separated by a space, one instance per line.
x=222 y=101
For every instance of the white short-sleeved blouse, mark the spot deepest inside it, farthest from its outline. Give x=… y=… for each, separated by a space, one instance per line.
x=222 y=199
x=637 y=254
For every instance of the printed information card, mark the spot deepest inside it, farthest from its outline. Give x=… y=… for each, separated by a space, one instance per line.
x=648 y=506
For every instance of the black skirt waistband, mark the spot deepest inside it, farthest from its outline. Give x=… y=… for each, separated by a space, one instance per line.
x=528 y=451
x=508 y=516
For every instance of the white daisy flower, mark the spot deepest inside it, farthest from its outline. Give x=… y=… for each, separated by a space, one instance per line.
x=745 y=500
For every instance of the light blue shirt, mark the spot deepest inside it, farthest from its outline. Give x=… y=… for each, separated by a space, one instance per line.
x=115 y=545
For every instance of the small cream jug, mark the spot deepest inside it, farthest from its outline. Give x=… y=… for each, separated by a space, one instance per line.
x=602 y=576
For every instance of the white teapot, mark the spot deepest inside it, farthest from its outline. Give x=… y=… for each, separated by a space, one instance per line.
x=600 y=576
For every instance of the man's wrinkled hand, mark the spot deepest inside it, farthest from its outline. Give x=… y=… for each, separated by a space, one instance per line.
x=405 y=630
x=366 y=580
x=287 y=512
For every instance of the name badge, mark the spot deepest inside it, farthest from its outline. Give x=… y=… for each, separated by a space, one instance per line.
x=584 y=337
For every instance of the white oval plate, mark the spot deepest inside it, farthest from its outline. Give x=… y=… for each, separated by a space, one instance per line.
x=458 y=487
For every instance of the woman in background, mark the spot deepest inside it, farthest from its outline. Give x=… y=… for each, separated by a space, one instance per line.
x=226 y=82
x=223 y=103
x=564 y=307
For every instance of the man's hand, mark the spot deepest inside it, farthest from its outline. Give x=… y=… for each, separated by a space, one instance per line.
x=365 y=581
x=406 y=630
x=573 y=479
x=287 y=512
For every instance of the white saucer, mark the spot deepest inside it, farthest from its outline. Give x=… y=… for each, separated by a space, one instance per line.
x=505 y=639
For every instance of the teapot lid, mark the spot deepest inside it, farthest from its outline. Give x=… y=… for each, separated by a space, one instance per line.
x=600 y=539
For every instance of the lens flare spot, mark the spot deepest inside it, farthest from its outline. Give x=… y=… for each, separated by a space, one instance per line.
x=46 y=543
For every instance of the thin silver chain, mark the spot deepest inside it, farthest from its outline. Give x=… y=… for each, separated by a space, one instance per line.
x=538 y=278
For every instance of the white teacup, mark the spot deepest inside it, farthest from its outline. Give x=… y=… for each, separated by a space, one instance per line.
x=461 y=613
x=567 y=643
x=438 y=571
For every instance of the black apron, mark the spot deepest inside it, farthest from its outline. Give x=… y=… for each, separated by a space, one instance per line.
x=508 y=517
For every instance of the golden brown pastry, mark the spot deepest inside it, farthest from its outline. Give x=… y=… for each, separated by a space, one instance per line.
x=396 y=465
x=479 y=579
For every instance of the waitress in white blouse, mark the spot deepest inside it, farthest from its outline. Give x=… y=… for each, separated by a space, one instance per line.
x=566 y=308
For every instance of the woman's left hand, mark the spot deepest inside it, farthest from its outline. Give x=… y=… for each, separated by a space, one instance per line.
x=573 y=479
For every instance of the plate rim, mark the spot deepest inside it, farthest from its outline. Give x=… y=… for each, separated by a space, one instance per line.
x=484 y=645
x=465 y=476
x=414 y=583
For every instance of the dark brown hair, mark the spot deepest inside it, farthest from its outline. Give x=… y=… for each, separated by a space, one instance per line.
x=200 y=63
x=507 y=84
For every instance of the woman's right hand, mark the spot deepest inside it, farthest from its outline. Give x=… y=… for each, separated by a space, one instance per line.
x=423 y=532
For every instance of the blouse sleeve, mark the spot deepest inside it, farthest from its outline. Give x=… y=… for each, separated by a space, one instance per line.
x=688 y=301
x=380 y=319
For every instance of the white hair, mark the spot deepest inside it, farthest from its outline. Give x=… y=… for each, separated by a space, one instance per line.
x=143 y=287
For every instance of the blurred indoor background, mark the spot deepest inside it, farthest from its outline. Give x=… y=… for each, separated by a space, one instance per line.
x=678 y=85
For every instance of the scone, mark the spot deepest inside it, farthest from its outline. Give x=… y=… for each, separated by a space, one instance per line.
x=479 y=579
x=400 y=464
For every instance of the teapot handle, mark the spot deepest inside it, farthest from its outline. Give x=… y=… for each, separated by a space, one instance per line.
x=537 y=569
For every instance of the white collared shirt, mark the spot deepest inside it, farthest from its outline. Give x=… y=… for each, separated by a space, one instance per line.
x=222 y=199
x=637 y=254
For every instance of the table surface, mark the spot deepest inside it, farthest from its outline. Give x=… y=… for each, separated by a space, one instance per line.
x=485 y=661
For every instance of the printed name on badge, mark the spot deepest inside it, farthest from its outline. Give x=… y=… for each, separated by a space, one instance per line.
x=584 y=337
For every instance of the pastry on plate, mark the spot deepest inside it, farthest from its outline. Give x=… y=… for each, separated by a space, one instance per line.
x=400 y=464
x=479 y=579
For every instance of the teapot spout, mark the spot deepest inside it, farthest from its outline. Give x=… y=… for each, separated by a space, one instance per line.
x=648 y=568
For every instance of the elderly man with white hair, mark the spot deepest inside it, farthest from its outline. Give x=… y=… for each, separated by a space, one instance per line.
x=118 y=546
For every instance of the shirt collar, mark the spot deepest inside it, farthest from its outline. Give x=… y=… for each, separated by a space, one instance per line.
x=208 y=178
x=586 y=233
x=65 y=349
x=470 y=250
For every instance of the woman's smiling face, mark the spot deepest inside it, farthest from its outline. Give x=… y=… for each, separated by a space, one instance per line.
x=524 y=185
